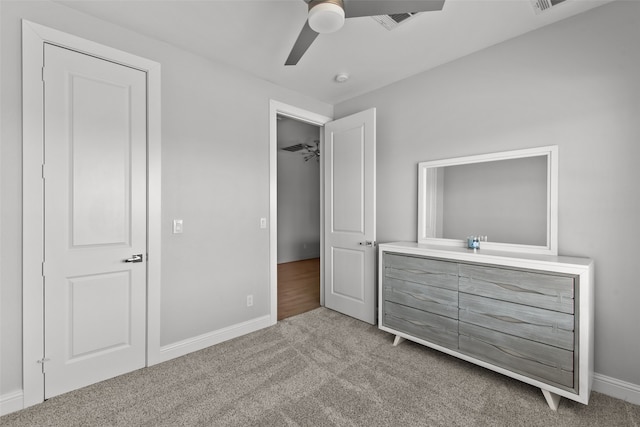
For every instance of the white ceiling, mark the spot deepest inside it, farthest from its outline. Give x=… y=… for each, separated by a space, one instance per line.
x=257 y=35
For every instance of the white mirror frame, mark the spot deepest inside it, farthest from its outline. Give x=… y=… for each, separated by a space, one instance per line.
x=427 y=200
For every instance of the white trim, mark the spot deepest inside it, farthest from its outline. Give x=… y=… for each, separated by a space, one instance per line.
x=619 y=389
x=428 y=204
x=154 y=212
x=32 y=215
x=200 y=342
x=11 y=402
x=34 y=36
x=427 y=200
x=313 y=118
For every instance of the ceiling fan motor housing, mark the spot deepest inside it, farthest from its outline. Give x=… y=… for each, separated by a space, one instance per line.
x=326 y=16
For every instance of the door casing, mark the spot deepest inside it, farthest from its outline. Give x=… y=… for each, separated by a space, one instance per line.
x=275 y=108
x=34 y=37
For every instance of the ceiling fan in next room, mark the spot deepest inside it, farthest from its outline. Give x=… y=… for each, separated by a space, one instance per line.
x=327 y=16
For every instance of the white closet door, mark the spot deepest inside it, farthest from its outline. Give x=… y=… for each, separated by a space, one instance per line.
x=95 y=219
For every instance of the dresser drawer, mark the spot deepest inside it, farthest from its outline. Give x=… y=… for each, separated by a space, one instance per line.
x=553 y=292
x=550 y=364
x=421 y=324
x=441 y=274
x=537 y=324
x=423 y=297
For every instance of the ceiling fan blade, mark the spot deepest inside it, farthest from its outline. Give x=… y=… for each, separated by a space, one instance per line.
x=356 y=8
x=306 y=37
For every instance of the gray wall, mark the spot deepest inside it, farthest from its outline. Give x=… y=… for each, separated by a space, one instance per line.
x=298 y=194
x=575 y=84
x=215 y=176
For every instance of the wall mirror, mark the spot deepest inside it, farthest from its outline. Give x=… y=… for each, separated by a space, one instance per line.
x=511 y=197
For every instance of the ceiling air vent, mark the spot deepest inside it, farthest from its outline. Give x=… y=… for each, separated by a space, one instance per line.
x=543 y=5
x=392 y=21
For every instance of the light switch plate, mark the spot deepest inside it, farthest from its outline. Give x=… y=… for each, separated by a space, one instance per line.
x=263 y=222
x=177 y=226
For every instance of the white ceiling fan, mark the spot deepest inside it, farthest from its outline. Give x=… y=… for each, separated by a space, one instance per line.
x=327 y=16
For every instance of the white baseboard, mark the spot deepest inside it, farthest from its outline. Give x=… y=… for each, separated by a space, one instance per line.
x=616 y=388
x=200 y=342
x=11 y=402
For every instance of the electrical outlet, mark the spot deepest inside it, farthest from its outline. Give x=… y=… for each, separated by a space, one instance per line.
x=249 y=300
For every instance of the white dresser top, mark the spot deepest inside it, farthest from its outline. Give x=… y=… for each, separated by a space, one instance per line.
x=486 y=256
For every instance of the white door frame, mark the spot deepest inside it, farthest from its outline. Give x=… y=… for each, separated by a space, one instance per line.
x=313 y=118
x=34 y=37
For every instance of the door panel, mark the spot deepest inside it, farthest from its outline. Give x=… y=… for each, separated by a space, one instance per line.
x=95 y=218
x=349 y=174
x=99 y=303
x=100 y=149
x=348 y=274
x=347 y=150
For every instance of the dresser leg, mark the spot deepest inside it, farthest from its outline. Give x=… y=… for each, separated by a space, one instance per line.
x=397 y=340
x=553 y=400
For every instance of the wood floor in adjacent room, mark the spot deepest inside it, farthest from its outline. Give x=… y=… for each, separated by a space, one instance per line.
x=298 y=287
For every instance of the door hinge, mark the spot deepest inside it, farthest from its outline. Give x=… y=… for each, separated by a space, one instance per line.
x=42 y=362
x=43 y=74
x=43 y=172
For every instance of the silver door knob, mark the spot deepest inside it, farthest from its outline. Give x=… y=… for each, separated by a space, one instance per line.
x=368 y=243
x=134 y=258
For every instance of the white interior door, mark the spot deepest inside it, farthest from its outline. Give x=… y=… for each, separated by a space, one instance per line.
x=95 y=219
x=350 y=217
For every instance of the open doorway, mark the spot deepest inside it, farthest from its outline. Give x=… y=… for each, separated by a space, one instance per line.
x=299 y=216
x=347 y=231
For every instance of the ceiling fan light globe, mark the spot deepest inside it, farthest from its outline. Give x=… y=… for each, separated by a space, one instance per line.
x=326 y=18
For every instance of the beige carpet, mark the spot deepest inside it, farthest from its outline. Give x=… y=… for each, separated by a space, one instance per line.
x=317 y=369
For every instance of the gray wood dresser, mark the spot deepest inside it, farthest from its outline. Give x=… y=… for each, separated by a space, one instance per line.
x=529 y=317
